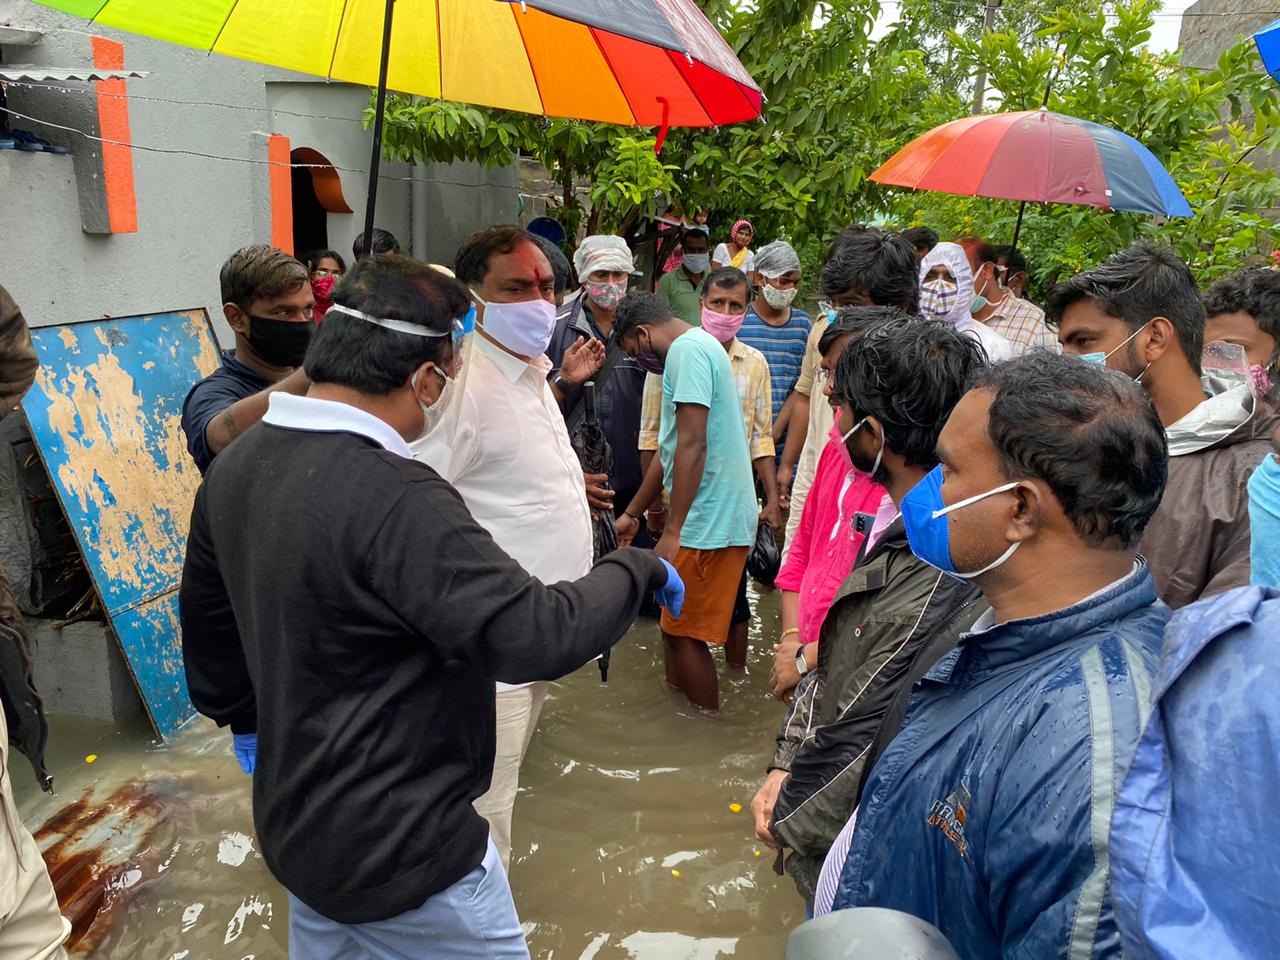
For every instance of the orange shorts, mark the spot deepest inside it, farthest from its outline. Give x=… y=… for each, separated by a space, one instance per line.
x=710 y=587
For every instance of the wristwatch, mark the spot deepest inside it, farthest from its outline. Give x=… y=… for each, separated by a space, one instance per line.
x=802 y=665
x=560 y=382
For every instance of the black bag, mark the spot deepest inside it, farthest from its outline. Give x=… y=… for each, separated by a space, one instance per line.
x=765 y=559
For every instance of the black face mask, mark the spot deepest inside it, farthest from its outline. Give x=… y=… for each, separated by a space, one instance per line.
x=281 y=343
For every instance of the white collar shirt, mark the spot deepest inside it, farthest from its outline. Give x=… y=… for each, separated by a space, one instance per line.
x=511 y=460
x=328 y=416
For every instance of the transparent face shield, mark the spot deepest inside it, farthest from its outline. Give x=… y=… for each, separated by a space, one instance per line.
x=439 y=446
x=1223 y=366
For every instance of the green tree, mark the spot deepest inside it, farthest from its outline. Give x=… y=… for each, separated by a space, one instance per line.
x=1207 y=126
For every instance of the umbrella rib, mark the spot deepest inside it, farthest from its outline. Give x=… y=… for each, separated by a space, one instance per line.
x=688 y=83
x=528 y=58
x=333 y=57
x=225 y=20
x=604 y=55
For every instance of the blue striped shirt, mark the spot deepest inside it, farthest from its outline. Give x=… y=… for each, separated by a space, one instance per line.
x=782 y=346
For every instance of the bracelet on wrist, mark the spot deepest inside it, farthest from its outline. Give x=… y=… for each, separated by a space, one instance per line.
x=788 y=632
x=628 y=513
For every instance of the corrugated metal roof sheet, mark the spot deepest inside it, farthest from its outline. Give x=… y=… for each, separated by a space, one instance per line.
x=47 y=74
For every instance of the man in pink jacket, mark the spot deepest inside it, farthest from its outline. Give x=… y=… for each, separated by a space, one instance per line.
x=842 y=519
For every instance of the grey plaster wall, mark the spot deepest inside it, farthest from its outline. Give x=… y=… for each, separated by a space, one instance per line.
x=194 y=210
x=1202 y=38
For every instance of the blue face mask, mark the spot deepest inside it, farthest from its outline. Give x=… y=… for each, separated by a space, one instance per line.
x=1100 y=358
x=924 y=514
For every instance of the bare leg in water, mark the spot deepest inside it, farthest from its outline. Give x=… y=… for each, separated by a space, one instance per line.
x=735 y=648
x=691 y=669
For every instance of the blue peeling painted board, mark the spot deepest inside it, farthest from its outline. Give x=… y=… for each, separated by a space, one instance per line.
x=105 y=413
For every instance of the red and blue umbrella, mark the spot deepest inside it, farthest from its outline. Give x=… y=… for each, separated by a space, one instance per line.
x=1037 y=156
x=1268 y=43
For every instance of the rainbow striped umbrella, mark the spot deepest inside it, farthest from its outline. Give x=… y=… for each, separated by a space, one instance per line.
x=1038 y=156
x=632 y=62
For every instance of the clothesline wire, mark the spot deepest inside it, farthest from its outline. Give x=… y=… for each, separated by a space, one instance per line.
x=213 y=156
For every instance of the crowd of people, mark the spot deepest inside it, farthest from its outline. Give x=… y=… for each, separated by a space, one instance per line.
x=1016 y=541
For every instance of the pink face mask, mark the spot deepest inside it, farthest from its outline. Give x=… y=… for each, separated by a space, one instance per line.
x=835 y=434
x=723 y=326
x=1260 y=379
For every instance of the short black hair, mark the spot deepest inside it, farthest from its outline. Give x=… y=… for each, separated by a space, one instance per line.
x=882 y=265
x=1134 y=286
x=922 y=238
x=471 y=263
x=372 y=359
x=857 y=320
x=1013 y=259
x=257 y=272
x=640 y=307
x=1255 y=291
x=1090 y=433
x=695 y=231
x=382 y=242
x=559 y=264
x=908 y=374
x=984 y=251
x=315 y=256
x=726 y=278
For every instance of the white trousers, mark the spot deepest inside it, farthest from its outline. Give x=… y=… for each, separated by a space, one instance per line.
x=31 y=926
x=517 y=717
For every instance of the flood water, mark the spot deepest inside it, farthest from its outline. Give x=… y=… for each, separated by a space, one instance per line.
x=625 y=845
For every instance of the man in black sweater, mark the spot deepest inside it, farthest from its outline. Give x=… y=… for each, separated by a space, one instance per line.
x=347 y=618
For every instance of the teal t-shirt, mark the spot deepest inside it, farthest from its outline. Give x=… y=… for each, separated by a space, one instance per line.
x=724 y=512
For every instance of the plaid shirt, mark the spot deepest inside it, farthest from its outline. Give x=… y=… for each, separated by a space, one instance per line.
x=1021 y=322
x=751 y=371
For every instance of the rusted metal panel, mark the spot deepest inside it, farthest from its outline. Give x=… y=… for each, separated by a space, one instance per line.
x=105 y=415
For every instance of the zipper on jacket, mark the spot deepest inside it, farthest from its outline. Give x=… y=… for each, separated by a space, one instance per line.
x=915 y=658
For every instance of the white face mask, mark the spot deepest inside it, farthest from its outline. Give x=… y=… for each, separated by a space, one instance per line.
x=433 y=413
x=778 y=299
x=524 y=328
x=697 y=262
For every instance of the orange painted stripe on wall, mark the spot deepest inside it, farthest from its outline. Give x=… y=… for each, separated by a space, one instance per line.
x=281 y=192
x=113 y=124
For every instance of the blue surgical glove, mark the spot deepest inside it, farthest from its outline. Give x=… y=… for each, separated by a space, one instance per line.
x=245 y=747
x=671 y=594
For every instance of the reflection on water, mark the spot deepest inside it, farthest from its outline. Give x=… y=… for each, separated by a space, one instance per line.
x=625 y=845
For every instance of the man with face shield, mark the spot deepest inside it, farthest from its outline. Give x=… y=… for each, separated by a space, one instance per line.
x=893 y=389
x=508 y=454
x=776 y=327
x=347 y=617
x=998 y=788
x=1140 y=313
x=268 y=303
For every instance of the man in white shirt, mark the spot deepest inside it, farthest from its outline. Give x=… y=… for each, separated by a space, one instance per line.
x=510 y=458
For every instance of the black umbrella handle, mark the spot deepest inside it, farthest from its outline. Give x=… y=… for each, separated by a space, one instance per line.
x=589 y=398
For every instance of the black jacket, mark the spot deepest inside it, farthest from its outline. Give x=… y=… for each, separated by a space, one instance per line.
x=340 y=600
x=890 y=608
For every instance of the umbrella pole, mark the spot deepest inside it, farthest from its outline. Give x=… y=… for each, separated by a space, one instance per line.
x=1017 y=229
x=378 y=112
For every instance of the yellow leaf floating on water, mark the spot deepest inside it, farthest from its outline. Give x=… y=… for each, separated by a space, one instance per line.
x=676 y=874
x=735 y=808
x=90 y=758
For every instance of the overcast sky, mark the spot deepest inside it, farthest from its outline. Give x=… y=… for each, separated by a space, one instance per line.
x=1164 y=35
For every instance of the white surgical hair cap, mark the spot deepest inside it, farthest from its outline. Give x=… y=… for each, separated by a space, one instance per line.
x=602 y=252
x=775 y=259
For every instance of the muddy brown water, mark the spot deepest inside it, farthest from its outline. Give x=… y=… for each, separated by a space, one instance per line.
x=153 y=851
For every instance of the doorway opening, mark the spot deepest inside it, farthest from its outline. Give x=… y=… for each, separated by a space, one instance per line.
x=317 y=192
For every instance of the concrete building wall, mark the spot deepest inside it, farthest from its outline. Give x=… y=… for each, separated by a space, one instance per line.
x=194 y=210
x=1212 y=26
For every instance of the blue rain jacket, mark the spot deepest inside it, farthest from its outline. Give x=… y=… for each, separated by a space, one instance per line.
x=988 y=814
x=1194 y=849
